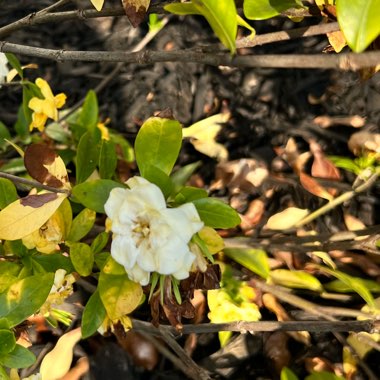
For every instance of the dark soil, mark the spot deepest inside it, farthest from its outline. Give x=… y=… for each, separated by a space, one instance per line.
x=267 y=108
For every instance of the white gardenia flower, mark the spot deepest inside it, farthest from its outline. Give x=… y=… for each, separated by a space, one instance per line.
x=147 y=236
x=3 y=67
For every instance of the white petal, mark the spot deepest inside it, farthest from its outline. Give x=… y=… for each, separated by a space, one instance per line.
x=148 y=192
x=124 y=251
x=114 y=201
x=139 y=275
x=146 y=257
x=183 y=272
x=136 y=181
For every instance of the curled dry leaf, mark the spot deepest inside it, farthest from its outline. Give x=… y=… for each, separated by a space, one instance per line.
x=292 y=156
x=364 y=142
x=276 y=350
x=253 y=215
x=58 y=361
x=135 y=10
x=45 y=166
x=287 y=218
x=242 y=175
x=313 y=187
x=271 y=303
x=322 y=167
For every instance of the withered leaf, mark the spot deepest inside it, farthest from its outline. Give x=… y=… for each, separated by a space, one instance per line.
x=38 y=200
x=313 y=187
x=322 y=167
x=45 y=166
x=135 y=10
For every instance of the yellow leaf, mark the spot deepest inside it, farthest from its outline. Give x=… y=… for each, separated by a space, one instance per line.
x=212 y=239
x=26 y=215
x=58 y=361
x=337 y=40
x=98 y=4
x=203 y=134
x=287 y=218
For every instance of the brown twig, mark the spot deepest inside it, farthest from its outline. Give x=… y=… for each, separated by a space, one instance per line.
x=349 y=61
x=32 y=183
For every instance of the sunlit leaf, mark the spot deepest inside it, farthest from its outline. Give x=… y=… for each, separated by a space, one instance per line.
x=215 y=12
x=183 y=174
x=82 y=224
x=287 y=374
x=82 y=258
x=256 y=260
x=295 y=279
x=203 y=134
x=155 y=175
x=189 y=194
x=157 y=144
x=264 y=9
x=58 y=361
x=25 y=297
x=120 y=295
x=135 y=10
x=287 y=218
x=341 y=287
x=359 y=21
x=212 y=239
x=98 y=4
x=28 y=214
x=216 y=214
x=93 y=315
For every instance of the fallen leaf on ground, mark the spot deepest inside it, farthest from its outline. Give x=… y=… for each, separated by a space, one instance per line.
x=313 y=187
x=287 y=218
x=322 y=167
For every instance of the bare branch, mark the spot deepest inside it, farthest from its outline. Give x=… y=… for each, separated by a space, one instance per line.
x=369 y=326
x=349 y=61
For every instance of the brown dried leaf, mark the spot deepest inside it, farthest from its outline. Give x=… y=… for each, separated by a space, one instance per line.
x=313 y=187
x=287 y=218
x=45 y=166
x=253 y=215
x=364 y=142
x=240 y=175
x=135 y=10
x=276 y=350
x=352 y=223
x=322 y=167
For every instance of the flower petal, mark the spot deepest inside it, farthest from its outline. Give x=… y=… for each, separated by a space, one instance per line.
x=45 y=88
x=139 y=275
x=124 y=251
x=114 y=201
x=60 y=100
x=38 y=121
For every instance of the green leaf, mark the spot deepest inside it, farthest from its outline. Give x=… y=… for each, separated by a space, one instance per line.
x=359 y=22
x=7 y=341
x=353 y=283
x=323 y=375
x=53 y=262
x=264 y=9
x=120 y=295
x=182 y=9
x=4 y=134
x=3 y=374
x=183 y=174
x=94 y=194
x=107 y=159
x=216 y=214
x=82 y=258
x=189 y=194
x=14 y=166
x=25 y=297
x=126 y=148
x=341 y=287
x=93 y=315
x=100 y=242
x=87 y=155
x=158 y=144
x=256 y=260
x=57 y=133
x=24 y=114
x=287 y=374
x=20 y=357
x=101 y=259
x=6 y=280
x=295 y=279
x=8 y=192
x=90 y=111
x=159 y=178
x=221 y=15
x=15 y=63
x=82 y=225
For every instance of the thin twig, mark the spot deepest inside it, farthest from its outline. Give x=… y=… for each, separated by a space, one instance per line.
x=32 y=183
x=369 y=325
x=349 y=61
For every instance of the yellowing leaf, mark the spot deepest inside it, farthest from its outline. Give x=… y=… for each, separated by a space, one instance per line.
x=287 y=218
x=203 y=134
x=98 y=4
x=58 y=361
x=212 y=239
x=295 y=279
x=135 y=10
x=337 y=40
x=28 y=214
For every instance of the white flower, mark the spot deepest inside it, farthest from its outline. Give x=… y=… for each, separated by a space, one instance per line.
x=3 y=67
x=148 y=236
